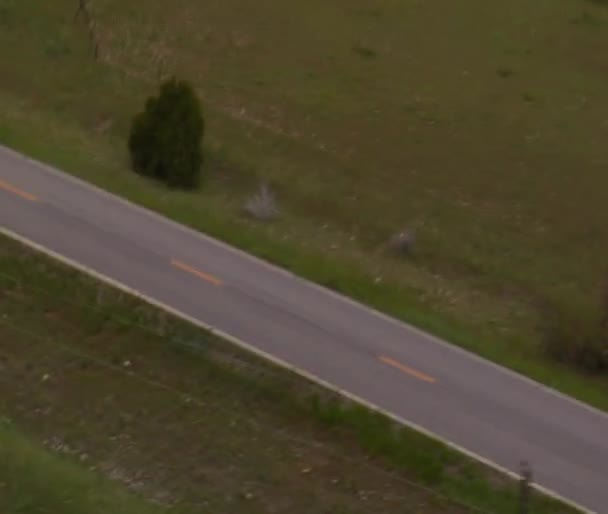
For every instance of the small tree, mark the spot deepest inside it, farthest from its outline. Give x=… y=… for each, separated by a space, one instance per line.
x=165 y=142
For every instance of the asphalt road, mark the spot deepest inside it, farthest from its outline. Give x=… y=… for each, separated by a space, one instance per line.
x=460 y=397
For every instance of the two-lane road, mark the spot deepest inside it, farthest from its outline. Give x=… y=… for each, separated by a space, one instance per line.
x=486 y=409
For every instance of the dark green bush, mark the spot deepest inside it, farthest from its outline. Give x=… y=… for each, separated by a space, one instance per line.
x=578 y=336
x=165 y=142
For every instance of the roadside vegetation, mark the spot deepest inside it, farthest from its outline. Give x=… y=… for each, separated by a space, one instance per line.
x=34 y=481
x=579 y=335
x=188 y=421
x=445 y=166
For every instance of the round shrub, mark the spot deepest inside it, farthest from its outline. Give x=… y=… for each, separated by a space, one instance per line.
x=165 y=142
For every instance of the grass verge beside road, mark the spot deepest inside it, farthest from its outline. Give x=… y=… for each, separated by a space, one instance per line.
x=188 y=420
x=34 y=481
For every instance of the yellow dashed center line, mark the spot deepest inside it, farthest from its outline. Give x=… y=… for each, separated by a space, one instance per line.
x=406 y=369
x=197 y=273
x=16 y=191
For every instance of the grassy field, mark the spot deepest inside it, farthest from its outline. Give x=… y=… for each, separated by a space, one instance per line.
x=481 y=126
x=34 y=481
x=190 y=422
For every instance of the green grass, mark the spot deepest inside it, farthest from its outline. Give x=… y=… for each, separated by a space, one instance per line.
x=188 y=419
x=488 y=141
x=34 y=481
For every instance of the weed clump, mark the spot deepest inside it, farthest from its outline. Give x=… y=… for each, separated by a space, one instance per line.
x=402 y=243
x=579 y=336
x=262 y=205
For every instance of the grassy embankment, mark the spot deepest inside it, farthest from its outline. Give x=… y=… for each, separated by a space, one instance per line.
x=482 y=126
x=189 y=421
x=33 y=481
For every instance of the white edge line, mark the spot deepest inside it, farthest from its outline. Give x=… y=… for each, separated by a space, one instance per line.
x=283 y=364
x=277 y=269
